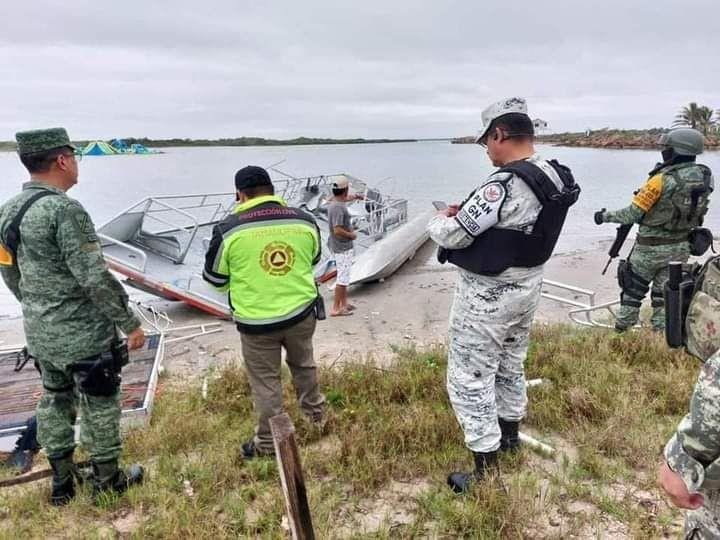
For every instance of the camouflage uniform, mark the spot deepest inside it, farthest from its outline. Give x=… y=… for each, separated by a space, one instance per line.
x=71 y=305
x=694 y=451
x=653 y=208
x=490 y=321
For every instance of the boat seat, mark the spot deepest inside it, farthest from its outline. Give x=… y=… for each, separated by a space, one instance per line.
x=123 y=228
x=166 y=245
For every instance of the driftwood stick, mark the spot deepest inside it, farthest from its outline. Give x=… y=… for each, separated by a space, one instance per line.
x=291 y=476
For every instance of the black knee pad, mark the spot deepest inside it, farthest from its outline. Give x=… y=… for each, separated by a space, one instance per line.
x=633 y=287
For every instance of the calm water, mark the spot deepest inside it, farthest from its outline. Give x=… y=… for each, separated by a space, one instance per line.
x=420 y=172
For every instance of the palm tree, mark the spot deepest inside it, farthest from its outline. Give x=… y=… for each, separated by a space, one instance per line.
x=705 y=120
x=695 y=116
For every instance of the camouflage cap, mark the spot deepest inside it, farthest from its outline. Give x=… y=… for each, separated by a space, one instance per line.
x=498 y=109
x=41 y=140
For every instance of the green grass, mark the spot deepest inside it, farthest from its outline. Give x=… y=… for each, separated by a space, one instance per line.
x=614 y=400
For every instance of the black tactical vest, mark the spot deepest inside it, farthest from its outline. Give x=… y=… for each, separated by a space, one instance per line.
x=496 y=250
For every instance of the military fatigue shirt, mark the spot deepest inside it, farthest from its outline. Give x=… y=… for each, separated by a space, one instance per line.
x=694 y=450
x=657 y=187
x=70 y=300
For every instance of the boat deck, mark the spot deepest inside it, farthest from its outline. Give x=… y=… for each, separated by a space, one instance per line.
x=21 y=390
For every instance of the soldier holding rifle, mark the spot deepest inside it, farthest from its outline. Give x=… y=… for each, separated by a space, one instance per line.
x=670 y=208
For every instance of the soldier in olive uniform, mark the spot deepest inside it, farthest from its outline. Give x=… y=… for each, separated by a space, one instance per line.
x=672 y=202
x=51 y=260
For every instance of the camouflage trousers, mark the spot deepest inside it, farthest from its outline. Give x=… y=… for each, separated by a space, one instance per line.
x=489 y=331
x=650 y=265
x=704 y=523
x=57 y=412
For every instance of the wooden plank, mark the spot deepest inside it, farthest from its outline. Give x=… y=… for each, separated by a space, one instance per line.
x=291 y=477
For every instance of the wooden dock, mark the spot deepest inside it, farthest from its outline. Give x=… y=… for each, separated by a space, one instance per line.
x=21 y=390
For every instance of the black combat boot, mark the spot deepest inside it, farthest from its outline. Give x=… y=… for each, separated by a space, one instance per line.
x=107 y=476
x=509 y=436
x=25 y=448
x=63 y=483
x=461 y=482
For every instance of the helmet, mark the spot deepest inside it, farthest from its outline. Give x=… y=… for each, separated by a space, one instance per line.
x=684 y=141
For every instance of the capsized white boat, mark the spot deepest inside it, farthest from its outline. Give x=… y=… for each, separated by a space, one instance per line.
x=159 y=243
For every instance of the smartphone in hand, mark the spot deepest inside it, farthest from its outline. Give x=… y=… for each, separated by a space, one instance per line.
x=439 y=205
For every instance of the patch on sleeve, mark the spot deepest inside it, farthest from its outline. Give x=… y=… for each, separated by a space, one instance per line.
x=84 y=225
x=649 y=194
x=482 y=210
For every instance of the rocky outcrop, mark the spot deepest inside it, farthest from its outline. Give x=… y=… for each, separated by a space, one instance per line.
x=606 y=138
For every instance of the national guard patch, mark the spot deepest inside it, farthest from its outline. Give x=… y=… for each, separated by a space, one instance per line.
x=482 y=210
x=493 y=192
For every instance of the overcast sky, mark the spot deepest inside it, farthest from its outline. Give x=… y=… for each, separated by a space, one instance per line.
x=225 y=68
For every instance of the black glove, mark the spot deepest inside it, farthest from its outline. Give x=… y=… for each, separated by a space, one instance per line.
x=599 y=216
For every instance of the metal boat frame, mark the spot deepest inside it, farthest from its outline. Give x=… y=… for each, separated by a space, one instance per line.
x=167 y=228
x=583 y=312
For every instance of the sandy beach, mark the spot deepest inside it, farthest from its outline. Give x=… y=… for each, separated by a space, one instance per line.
x=408 y=309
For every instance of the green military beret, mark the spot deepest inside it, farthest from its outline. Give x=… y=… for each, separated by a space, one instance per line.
x=41 y=140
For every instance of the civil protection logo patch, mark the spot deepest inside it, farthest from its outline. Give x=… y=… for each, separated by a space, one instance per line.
x=277 y=258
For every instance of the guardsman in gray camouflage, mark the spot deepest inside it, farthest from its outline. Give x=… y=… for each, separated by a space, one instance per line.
x=691 y=473
x=51 y=260
x=673 y=201
x=500 y=237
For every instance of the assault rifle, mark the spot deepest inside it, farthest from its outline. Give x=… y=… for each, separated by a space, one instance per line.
x=620 y=236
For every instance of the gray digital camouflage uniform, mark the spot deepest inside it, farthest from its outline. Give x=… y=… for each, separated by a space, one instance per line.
x=654 y=208
x=490 y=319
x=71 y=305
x=694 y=451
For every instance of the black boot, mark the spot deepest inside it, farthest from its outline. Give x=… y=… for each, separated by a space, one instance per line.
x=63 y=484
x=107 y=476
x=509 y=436
x=461 y=482
x=25 y=448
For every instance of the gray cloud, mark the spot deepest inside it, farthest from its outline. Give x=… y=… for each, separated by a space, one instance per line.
x=373 y=69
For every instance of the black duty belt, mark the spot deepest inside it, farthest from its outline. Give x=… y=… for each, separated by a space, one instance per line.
x=658 y=241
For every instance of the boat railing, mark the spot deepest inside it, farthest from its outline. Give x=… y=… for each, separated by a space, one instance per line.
x=165 y=225
x=384 y=216
x=140 y=267
x=583 y=301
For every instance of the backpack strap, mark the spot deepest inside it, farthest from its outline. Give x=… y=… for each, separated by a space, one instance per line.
x=11 y=238
x=542 y=186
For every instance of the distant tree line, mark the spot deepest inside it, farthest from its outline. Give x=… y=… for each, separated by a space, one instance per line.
x=255 y=141
x=238 y=141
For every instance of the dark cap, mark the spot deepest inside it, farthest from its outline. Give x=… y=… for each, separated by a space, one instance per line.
x=42 y=140
x=250 y=177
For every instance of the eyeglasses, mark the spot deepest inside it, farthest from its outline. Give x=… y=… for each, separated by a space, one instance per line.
x=78 y=157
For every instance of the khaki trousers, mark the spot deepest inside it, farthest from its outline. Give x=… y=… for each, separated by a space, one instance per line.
x=262 y=354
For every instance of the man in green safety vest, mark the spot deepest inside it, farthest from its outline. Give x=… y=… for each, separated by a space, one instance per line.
x=263 y=254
